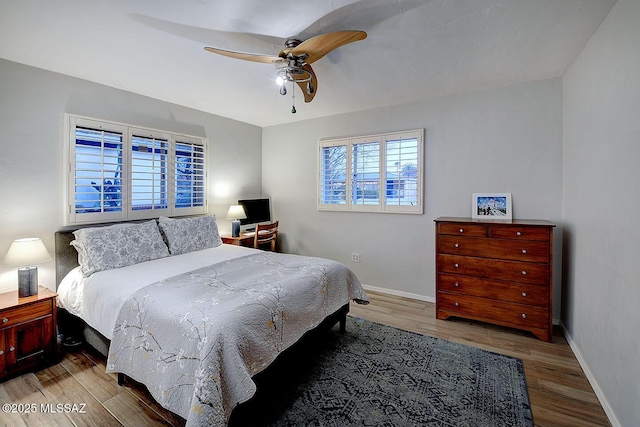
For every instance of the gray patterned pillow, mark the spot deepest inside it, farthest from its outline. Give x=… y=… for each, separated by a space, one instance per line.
x=190 y=234
x=120 y=245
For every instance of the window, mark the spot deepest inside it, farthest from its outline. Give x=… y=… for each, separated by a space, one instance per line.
x=119 y=172
x=189 y=174
x=376 y=173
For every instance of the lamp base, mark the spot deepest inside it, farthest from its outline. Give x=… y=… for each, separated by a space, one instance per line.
x=235 y=228
x=27 y=281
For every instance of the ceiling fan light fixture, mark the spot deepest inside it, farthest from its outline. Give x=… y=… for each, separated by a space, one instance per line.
x=293 y=63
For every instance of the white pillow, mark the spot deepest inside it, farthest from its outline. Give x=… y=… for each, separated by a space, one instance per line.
x=119 y=245
x=191 y=234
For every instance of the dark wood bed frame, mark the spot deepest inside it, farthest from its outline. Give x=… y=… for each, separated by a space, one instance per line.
x=66 y=259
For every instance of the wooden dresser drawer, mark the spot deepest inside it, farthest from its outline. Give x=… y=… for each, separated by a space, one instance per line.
x=520 y=293
x=471 y=230
x=525 y=250
x=14 y=316
x=490 y=310
x=519 y=233
x=512 y=271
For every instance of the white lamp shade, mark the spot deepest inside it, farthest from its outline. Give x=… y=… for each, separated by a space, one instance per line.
x=27 y=251
x=236 y=212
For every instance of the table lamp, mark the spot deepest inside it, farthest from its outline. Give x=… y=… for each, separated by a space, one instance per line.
x=236 y=213
x=24 y=253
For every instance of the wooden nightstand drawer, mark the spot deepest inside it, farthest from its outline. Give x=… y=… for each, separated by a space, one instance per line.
x=15 y=316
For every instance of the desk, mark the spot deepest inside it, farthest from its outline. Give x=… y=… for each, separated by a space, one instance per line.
x=245 y=239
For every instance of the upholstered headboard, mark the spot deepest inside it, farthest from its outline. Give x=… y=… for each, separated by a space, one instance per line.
x=66 y=255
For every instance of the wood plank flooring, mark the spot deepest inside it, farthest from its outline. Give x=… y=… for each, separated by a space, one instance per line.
x=558 y=389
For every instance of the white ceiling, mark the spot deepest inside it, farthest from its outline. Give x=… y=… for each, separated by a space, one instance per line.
x=414 y=49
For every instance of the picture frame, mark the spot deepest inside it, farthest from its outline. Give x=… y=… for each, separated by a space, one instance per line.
x=494 y=206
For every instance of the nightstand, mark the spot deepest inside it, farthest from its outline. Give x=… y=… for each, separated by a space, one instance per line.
x=245 y=239
x=27 y=331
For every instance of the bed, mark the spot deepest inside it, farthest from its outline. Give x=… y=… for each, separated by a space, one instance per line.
x=192 y=319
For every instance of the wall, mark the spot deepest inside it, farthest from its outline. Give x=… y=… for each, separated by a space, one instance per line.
x=32 y=106
x=601 y=311
x=501 y=140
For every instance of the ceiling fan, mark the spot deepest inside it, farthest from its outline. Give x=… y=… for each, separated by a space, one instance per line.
x=293 y=63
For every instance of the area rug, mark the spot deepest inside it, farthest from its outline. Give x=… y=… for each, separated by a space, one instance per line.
x=376 y=375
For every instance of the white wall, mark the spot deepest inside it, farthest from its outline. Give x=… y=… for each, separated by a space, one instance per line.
x=601 y=310
x=501 y=140
x=32 y=105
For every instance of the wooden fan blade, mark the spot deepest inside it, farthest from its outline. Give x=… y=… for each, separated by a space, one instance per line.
x=314 y=83
x=255 y=57
x=318 y=46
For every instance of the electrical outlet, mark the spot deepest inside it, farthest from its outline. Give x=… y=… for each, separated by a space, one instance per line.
x=355 y=257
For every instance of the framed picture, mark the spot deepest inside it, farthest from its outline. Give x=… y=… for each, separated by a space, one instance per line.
x=491 y=206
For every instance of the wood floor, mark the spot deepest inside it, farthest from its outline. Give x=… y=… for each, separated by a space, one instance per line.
x=558 y=389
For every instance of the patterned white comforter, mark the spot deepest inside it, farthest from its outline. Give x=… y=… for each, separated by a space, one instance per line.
x=196 y=339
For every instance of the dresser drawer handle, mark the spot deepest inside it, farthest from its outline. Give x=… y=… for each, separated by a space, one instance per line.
x=456 y=245
x=524 y=251
x=524 y=316
x=462 y=230
x=456 y=265
x=456 y=284
x=1 y=352
x=524 y=273
x=456 y=303
x=5 y=320
x=11 y=348
x=518 y=233
x=524 y=294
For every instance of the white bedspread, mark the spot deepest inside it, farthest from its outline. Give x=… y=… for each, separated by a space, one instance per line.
x=195 y=328
x=97 y=299
x=197 y=339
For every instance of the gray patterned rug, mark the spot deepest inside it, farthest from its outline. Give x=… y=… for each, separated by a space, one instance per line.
x=376 y=375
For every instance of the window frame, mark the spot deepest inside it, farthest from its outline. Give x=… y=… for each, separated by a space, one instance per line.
x=381 y=206
x=128 y=211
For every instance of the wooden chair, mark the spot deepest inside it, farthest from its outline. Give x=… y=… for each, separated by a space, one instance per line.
x=266 y=234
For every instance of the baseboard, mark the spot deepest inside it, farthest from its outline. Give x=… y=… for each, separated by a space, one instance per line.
x=591 y=378
x=399 y=293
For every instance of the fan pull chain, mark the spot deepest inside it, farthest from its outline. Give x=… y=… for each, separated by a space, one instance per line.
x=293 y=98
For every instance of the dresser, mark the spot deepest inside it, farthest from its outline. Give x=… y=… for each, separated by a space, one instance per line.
x=27 y=331
x=496 y=272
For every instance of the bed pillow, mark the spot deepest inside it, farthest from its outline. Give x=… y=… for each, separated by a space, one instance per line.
x=185 y=235
x=120 y=245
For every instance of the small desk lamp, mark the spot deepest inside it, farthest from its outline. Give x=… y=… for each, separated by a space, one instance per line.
x=236 y=213
x=24 y=253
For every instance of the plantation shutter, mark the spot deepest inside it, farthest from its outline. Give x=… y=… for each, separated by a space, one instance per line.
x=333 y=175
x=120 y=172
x=375 y=173
x=190 y=176
x=96 y=166
x=403 y=184
x=149 y=173
x=365 y=174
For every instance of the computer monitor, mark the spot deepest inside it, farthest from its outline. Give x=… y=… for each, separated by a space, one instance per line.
x=257 y=211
